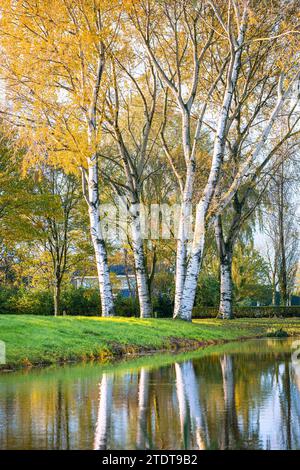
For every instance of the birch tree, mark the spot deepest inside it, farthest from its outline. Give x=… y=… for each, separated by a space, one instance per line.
x=248 y=196
x=56 y=226
x=135 y=142
x=230 y=23
x=281 y=224
x=170 y=33
x=53 y=59
x=226 y=117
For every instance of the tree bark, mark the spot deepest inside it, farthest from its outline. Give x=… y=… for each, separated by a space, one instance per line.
x=225 y=250
x=107 y=302
x=194 y=265
x=152 y=272
x=283 y=269
x=127 y=274
x=225 y=308
x=273 y=288
x=140 y=263
x=181 y=251
x=56 y=297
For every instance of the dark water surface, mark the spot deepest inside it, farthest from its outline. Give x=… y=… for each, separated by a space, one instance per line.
x=242 y=395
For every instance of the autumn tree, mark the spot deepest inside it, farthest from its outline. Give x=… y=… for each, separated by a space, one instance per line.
x=206 y=55
x=53 y=59
x=134 y=88
x=281 y=223
x=57 y=228
x=249 y=196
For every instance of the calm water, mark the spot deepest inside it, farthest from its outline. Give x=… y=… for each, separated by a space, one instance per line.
x=239 y=396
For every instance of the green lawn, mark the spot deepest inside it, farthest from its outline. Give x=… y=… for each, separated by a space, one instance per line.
x=40 y=339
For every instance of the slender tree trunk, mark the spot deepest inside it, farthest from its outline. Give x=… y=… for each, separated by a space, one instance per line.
x=283 y=268
x=225 y=250
x=225 y=307
x=194 y=265
x=152 y=273
x=56 y=296
x=106 y=295
x=193 y=269
x=127 y=274
x=274 y=288
x=181 y=251
x=140 y=263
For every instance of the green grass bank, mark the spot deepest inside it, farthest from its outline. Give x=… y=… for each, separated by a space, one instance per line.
x=40 y=340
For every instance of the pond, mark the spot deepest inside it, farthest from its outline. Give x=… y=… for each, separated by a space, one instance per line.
x=243 y=395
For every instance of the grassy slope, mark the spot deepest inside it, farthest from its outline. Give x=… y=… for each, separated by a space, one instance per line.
x=37 y=339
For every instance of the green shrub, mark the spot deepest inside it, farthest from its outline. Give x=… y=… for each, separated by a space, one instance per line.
x=200 y=311
x=84 y=301
x=36 y=302
x=26 y=301
x=126 y=306
x=162 y=306
x=7 y=299
x=249 y=312
x=208 y=290
x=80 y=301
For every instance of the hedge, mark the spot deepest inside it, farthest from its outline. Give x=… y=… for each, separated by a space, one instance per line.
x=249 y=312
x=87 y=302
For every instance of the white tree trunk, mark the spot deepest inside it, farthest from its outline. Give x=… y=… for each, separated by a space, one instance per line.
x=106 y=295
x=140 y=262
x=194 y=264
x=180 y=267
x=104 y=412
x=225 y=307
x=181 y=251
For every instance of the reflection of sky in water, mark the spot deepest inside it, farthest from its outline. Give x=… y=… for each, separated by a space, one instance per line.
x=238 y=399
x=275 y=410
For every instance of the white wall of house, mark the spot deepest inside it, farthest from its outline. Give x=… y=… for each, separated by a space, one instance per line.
x=121 y=282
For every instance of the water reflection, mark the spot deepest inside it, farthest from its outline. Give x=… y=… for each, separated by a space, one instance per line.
x=104 y=412
x=142 y=438
x=241 y=399
x=192 y=418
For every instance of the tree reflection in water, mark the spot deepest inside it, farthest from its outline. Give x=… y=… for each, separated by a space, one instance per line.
x=192 y=419
x=244 y=398
x=104 y=412
x=143 y=400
